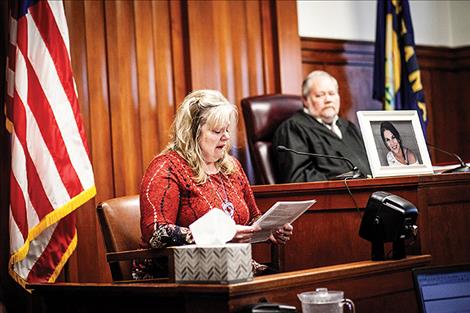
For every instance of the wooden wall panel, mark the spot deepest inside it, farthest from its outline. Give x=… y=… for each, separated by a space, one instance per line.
x=179 y=49
x=463 y=79
x=231 y=49
x=166 y=70
x=270 y=67
x=444 y=107
x=123 y=95
x=445 y=74
x=446 y=223
x=135 y=61
x=200 y=41
x=464 y=116
x=256 y=78
x=288 y=47
x=146 y=75
x=98 y=93
x=426 y=79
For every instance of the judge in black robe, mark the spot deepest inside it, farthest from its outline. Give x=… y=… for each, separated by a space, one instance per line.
x=318 y=129
x=302 y=132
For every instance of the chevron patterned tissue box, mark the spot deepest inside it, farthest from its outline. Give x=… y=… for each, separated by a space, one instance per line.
x=229 y=263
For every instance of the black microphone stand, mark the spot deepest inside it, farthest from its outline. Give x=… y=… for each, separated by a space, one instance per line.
x=353 y=173
x=463 y=168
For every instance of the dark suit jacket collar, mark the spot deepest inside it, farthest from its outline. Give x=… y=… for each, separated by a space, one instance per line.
x=310 y=122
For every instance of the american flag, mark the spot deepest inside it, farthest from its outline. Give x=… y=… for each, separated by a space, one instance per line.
x=51 y=173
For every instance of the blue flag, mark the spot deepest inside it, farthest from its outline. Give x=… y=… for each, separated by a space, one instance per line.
x=397 y=79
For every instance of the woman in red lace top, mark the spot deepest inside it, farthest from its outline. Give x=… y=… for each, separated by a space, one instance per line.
x=193 y=175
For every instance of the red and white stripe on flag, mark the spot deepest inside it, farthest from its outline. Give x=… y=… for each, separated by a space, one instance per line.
x=51 y=173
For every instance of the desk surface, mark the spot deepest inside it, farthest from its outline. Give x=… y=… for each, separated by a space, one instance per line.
x=369 y=284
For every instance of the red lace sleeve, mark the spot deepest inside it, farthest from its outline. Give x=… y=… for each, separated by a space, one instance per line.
x=159 y=206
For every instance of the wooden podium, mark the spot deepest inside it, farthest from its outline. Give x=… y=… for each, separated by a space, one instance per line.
x=325 y=251
x=327 y=234
x=385 y=287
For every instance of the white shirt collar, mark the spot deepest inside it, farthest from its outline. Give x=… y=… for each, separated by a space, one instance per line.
x=333 y=127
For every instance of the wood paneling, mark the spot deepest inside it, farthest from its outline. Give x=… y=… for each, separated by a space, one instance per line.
x=288 y=47
x=445 y=209
x=328 y=233
x=134 y=63
x=123 y=94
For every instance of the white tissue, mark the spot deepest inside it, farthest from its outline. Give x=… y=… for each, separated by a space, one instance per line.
x=213 y=228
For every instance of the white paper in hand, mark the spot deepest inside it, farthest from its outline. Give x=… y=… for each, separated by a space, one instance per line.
x=280 y=213
x=213 y=228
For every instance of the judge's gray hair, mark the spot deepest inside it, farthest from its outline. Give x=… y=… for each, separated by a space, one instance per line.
x=308 y=81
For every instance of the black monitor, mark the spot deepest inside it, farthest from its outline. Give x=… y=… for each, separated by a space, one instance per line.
x=388 y=218
x=443 y=289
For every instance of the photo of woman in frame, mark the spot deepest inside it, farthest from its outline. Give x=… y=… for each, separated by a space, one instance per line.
x=397 y=154
x=396 y=143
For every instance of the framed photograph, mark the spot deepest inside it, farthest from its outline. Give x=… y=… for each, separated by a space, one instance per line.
x=394 y=143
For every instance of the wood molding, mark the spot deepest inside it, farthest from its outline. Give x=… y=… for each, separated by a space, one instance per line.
x=361 y=53
x=338 y=52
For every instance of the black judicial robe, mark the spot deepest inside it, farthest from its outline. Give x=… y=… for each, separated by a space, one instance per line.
x=304 y=133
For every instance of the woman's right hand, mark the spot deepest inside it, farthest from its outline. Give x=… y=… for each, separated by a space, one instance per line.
x=244 y=233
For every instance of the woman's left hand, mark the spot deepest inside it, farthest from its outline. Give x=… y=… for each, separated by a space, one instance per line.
x=282 y=235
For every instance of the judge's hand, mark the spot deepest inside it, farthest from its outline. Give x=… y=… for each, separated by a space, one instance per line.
x=244 y=233
x=282 y=235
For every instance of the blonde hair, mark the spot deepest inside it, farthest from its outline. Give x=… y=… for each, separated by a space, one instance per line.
x=198 y=108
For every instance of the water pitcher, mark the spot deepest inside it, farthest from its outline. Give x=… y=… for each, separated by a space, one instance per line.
x=323 y=300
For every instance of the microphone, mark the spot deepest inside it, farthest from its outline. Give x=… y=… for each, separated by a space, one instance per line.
x=353 y=173
x=463 y=168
